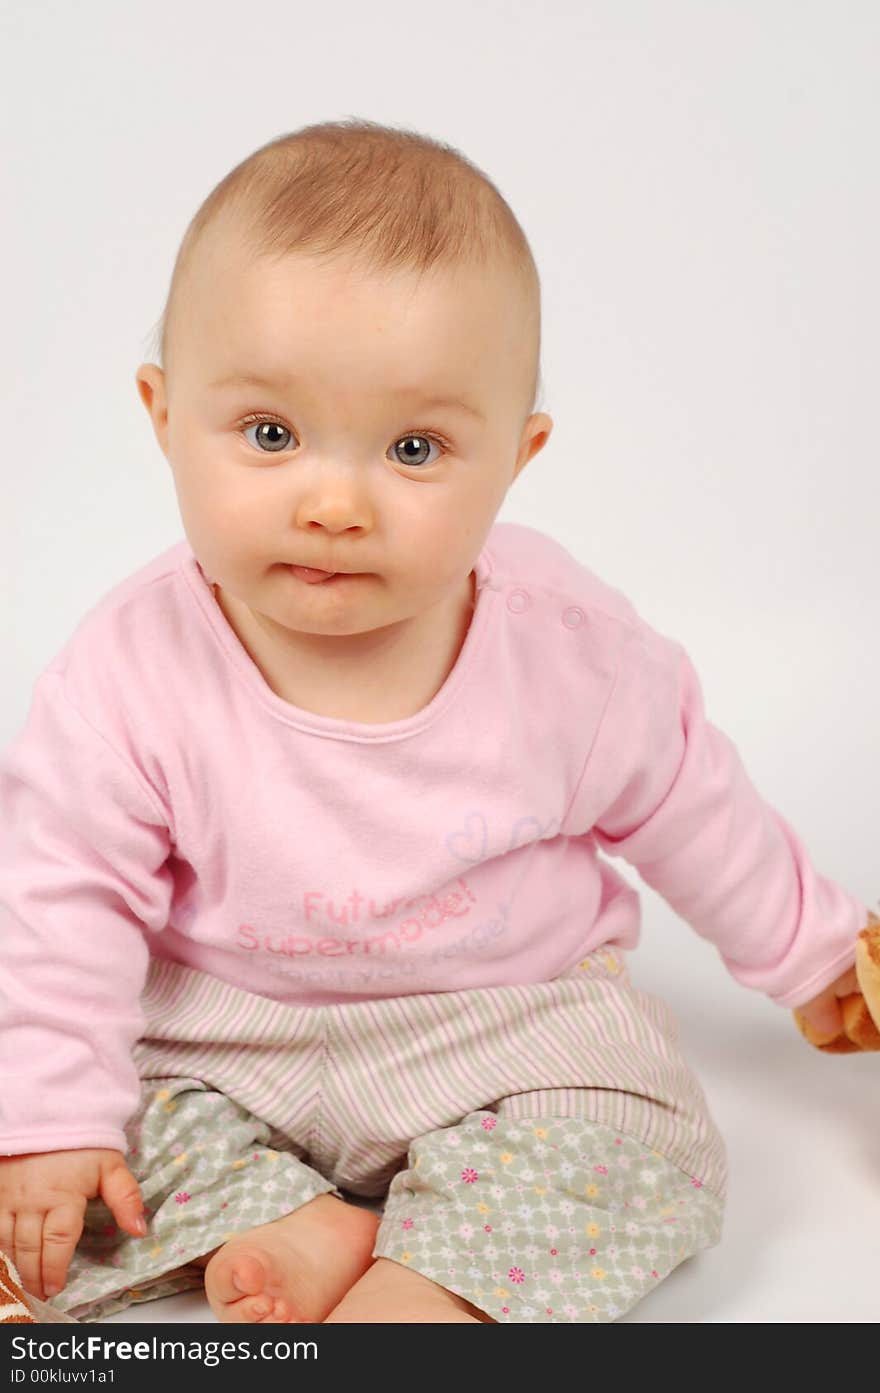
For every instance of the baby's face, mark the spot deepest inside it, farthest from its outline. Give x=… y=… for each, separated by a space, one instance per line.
x=321 y=417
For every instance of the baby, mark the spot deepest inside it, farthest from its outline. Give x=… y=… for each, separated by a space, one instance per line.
x=302 y=902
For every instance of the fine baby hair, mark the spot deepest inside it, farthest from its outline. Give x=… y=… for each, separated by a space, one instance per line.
x=379 y=197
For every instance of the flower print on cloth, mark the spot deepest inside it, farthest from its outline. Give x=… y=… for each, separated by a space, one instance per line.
x=550 y=1225
x=234 y=1181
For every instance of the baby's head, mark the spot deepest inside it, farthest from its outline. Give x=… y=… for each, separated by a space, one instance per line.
x=367 y=295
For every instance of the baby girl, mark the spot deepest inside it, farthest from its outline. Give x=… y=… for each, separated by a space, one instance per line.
x=315 y=979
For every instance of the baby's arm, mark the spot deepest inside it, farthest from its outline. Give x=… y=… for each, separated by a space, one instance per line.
x=670 y=794
x=84 y=882
x=42 y=1203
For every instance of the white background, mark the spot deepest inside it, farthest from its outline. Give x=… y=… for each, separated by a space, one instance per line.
x=698 y=182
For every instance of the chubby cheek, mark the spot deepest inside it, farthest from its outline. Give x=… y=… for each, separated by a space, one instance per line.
x=219 y=521
x=434 y=552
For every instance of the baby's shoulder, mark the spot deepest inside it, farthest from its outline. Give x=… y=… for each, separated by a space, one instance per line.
x=540 y=568
x=129 y=640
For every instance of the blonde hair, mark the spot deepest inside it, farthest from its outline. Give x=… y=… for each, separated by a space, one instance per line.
x=383 y=198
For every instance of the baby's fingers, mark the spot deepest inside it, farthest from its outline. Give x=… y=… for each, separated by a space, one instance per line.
x=62 y=1227
x=7 y=1232
x=846 y=984
x=27 y=1251
x=122 y=1196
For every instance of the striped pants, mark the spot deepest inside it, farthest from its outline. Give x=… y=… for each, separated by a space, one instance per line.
x=542 y=1150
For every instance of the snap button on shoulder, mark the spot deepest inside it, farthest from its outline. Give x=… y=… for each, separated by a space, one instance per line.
x=572 y=617
x=518 y=600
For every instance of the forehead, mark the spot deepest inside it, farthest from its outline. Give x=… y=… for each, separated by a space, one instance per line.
x=241 y=378
x=267 y=316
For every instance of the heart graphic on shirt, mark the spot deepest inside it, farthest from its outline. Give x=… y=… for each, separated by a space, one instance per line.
x=529 y=829
x=469 y=846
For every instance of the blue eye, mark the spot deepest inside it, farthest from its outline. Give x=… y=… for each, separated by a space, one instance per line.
x=273 y=437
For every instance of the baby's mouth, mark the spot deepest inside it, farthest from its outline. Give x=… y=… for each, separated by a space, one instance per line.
x=312 y=576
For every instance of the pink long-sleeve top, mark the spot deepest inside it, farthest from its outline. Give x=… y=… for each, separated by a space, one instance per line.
x=162 y=800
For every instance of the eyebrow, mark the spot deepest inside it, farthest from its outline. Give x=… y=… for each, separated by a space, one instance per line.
x=254 y=380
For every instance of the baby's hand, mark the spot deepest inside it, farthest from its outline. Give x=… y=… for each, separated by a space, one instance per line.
x=823 y=1012
x=42 y=1202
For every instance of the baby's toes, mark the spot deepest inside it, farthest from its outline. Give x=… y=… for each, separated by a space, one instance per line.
x=272 y=1311
x=283 y=1311
x=254 y=1308
x=280 y=1315
x=247 y=1275
x=235 y=1286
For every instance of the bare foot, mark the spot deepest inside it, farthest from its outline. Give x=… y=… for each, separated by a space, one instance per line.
x=392 y=1293
x=294 y=1269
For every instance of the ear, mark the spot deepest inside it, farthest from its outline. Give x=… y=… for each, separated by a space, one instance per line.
x=536 y=433
x=150 y=381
